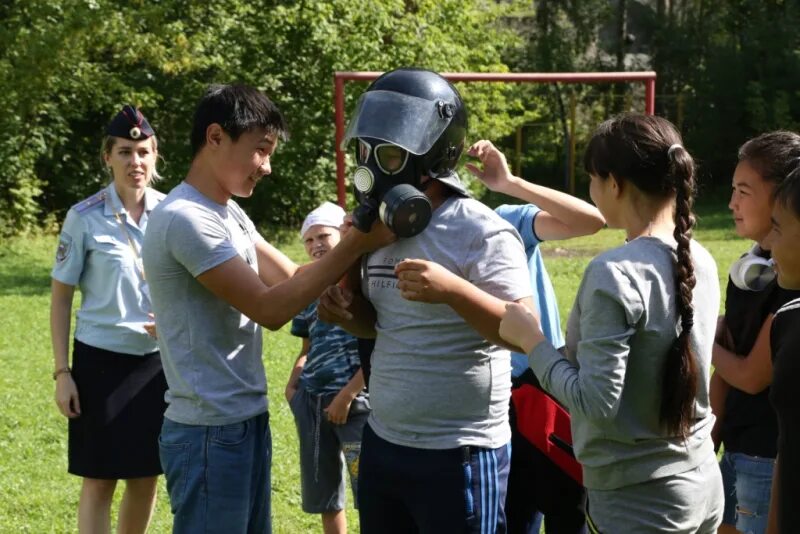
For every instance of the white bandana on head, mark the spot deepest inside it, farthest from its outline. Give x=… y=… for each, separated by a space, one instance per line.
x=328 y=214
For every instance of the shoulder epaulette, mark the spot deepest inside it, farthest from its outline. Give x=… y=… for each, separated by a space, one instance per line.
x=94 y=200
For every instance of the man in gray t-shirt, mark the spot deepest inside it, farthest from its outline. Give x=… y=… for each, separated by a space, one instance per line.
x=213 y=281
x=440 y=383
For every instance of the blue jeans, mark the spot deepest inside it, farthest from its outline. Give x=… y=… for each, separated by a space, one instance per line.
x=747 y=481
x=218 y=477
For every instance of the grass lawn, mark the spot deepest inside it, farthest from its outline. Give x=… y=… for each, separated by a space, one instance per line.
x=38 y=496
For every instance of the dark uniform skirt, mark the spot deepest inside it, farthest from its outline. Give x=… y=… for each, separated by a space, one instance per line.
x=122 y=407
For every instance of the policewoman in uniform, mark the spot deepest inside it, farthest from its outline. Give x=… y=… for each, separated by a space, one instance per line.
x=113 y=394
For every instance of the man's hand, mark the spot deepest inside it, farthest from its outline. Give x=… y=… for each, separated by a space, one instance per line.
x=333 y=305
x=520 y=326
x=495 y=173
x=150 y=327
x=347 y=224
x=290 y=391
x=339 y=407
x=425 y=281
x=294 y=377
x=67 y=396
x=378 y=236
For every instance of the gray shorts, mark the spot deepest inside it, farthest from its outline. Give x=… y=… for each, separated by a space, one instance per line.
x=690 y=502
x=326 y=449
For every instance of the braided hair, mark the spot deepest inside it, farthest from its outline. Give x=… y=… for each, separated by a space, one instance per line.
x=647 y=151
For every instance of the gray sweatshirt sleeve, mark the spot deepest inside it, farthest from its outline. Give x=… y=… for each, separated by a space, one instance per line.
x=609 y=308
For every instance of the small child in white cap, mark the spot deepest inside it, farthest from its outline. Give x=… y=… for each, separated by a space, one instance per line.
x=326 y=392
x=320 y=230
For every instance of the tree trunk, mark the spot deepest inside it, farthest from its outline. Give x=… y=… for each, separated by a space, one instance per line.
x=622 y=34
x=659 y=48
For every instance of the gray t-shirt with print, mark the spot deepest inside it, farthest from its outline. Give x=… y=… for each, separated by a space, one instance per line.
x=436 y=383
x=619 y=336
x=211 y=352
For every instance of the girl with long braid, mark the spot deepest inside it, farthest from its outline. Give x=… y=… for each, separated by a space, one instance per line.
x=635 y=376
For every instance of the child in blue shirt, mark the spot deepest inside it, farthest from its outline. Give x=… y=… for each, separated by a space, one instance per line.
x=326 y=392
x=541 y=482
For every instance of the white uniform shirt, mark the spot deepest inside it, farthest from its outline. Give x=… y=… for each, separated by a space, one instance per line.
x=99 y=251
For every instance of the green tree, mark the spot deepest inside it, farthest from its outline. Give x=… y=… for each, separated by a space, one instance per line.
x=68 y=65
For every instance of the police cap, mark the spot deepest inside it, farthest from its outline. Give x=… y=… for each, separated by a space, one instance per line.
x=129 y=123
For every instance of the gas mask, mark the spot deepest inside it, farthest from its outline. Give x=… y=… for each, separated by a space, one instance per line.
x=408 y=124
x=383 y=187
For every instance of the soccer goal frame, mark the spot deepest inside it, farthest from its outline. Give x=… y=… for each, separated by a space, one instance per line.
x=340 y=77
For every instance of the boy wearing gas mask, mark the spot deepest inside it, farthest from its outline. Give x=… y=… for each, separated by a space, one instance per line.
x=435 y=451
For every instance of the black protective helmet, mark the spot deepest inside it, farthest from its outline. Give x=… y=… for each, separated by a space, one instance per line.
x=408 y=123
x=419 y=111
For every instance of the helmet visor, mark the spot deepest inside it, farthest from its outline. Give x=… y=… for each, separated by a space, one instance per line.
x=407 y=121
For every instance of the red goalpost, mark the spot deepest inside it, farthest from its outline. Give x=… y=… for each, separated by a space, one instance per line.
x=339 y=79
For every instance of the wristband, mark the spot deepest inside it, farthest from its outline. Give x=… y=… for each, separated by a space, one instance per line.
x=61 y=372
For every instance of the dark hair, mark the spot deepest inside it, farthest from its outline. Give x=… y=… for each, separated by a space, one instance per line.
x=238 y=109
x=771 y=154
x=648 y=152
x=787 y=192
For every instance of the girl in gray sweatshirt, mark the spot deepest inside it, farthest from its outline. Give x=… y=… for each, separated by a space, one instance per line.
x=636 y=371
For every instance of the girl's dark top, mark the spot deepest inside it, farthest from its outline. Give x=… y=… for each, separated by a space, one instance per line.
x=785 y=342
x=750 y=425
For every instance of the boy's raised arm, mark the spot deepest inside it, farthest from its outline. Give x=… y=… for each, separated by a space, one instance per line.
x=272 y=306
x=563 y=216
